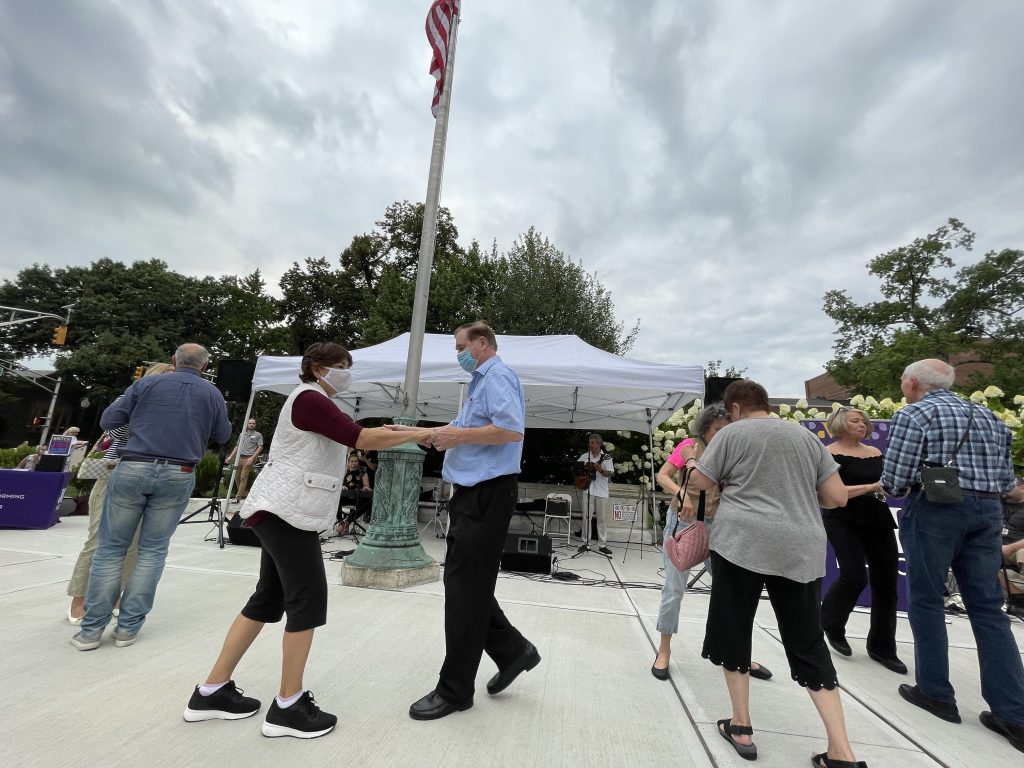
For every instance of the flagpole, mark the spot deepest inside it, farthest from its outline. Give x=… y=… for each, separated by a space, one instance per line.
x=429 y=232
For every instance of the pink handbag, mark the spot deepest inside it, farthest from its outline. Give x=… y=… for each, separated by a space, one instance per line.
x=688 y=547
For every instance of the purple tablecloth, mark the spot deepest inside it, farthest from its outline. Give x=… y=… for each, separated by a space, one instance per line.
x=31 y=499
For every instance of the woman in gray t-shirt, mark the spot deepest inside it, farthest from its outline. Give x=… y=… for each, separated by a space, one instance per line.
x=768 y=534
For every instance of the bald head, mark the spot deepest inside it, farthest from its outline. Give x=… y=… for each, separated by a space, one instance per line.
x=191 y=356
x=925 y=376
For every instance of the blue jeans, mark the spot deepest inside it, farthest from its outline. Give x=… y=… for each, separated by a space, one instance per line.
x=966 y=537
x=675 y=582
x=155 y=495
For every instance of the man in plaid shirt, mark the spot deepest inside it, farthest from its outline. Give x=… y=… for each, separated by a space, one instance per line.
x=965 y=536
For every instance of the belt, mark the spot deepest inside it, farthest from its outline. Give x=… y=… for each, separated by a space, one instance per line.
x=186 y=466
x=970 y=491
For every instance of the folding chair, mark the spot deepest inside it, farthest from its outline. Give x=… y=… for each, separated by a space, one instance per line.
x=558 y=506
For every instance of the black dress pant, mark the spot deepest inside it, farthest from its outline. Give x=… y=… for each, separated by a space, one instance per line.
x=856 y=545
x=479 y=517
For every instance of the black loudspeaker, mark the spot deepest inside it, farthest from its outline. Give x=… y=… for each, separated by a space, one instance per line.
x=714 y=388
x=48 y=463
x=234 y=379
x=531 y=554
x=239 y=534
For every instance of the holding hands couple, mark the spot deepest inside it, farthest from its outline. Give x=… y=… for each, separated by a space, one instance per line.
x=441 y=438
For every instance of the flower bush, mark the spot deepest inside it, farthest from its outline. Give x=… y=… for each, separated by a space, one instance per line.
x=634 y=458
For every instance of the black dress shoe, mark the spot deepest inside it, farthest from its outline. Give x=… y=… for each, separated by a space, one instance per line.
x=940 y=709
x=891 y=663
x=761 y=672
x=433 y=706
x=661 y=674
x=839 y=643
x=1013 y=733
x=527 y=660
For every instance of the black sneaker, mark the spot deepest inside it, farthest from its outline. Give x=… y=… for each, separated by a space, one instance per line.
x=604 y=551
x=303 y=719
x=226 y=703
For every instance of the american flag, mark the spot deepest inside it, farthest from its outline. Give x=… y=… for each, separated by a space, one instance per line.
x=439 y=25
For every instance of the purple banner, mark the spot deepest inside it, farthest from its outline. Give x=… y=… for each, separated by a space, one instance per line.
x=879 y=438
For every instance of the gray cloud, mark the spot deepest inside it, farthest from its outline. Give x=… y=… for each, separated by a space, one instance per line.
x=720 y=165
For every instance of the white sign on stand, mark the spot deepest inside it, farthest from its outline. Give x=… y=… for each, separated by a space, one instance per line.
x=625 y=513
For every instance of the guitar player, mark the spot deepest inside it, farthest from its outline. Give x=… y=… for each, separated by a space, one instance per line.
x=599 y=467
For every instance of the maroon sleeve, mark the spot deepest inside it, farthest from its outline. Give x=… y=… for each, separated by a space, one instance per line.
x=315 y=413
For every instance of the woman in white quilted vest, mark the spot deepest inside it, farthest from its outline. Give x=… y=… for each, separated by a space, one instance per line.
x=294 y=497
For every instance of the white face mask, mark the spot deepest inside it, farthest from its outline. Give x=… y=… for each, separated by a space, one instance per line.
x=340 y=379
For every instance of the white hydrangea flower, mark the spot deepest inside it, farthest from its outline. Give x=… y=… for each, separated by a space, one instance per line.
x=870 y=401
x=857 y=400
x=887 y=403
x=784 y=409
x=799 y=415
x=993 y=391
x=1012 y=421
x=774 y=415
x=609 y=447
x=1018 y=399
x=977 y=396
x=801 y=403
x=659 y=435
x=647 y=465
x=691 y=428
x=635 y=458
x=836 y=406
x=645 y=480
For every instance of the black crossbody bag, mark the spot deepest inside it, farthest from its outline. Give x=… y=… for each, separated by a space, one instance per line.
x=941 y=485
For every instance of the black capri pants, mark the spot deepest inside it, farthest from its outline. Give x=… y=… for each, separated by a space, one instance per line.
x=292 y=577
x=735 y=593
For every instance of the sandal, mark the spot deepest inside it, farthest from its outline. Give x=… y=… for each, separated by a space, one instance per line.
x=727 y=730
x=824 y=761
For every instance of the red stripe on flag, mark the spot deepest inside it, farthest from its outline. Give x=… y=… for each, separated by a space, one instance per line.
x=439 y=25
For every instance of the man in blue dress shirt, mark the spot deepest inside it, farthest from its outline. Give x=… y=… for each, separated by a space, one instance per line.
x=484 y=446
x=171 y=418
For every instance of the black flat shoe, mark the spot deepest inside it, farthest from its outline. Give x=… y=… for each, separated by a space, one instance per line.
x=527 y=660
x=1013 y=733
x=761 y=673
x=433 y=706
x=824 y=761
x=661 y=674
x=940 y=709
x=891 y=663
x=839 y=643
x=727 y=730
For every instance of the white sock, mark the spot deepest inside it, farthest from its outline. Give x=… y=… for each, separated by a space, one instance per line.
x=285 y=703
x=205 y=689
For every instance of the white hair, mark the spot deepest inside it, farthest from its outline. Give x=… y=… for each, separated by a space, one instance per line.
x=931 y=374
x=191 y=356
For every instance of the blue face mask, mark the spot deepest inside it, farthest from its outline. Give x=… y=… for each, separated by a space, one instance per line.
x=466 y=361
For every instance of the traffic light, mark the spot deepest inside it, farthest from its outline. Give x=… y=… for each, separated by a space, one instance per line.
x=59 y=334
x=137 y=374
x=38 y=422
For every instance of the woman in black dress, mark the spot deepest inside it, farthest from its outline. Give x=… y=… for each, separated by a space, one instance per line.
x=861 y=533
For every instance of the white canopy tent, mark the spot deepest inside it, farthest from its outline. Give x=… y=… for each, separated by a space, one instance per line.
x=568 y=384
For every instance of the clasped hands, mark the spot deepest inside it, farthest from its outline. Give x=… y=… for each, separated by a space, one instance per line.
x=441 y=438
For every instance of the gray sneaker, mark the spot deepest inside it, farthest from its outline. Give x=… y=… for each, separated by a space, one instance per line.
x=86 y=642
x=123 y=639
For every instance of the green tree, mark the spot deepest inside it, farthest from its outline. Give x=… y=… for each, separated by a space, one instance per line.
x=931 y=309
x=126 y=313
x=538 y=291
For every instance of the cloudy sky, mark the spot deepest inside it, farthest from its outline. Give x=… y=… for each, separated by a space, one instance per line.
x=719 y=164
